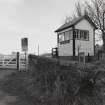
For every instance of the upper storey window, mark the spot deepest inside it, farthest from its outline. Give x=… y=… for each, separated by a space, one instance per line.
x=61 y=37
x=65 y=37
x=81 y=34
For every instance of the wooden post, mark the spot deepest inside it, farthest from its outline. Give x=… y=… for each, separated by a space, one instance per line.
x=26 y=61
x=88 y=57
x=78 y=53
x=52 y=52
x=98 y=55
x=18 y=61
x=73 y=42
x=82 y=57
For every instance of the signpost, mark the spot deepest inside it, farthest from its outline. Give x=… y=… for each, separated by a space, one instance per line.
x=24 y=44
x=82 y=57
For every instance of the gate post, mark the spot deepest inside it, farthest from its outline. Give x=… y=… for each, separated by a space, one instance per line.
x=17 y=60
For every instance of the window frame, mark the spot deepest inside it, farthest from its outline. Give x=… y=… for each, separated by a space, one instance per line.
x=61 y=34
x=81 y=34
x=64 y=33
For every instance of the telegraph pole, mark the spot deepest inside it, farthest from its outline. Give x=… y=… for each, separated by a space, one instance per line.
x=38 y=49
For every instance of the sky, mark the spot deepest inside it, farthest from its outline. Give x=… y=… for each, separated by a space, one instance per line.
x=35 y=19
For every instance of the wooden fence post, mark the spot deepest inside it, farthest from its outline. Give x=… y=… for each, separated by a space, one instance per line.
x=17 y=60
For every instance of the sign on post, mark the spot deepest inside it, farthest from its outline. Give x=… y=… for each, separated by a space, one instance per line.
x=82 y=57
x=24 y=44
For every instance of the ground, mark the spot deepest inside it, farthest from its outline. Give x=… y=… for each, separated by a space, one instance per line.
x=31 y=88
x=5 y=98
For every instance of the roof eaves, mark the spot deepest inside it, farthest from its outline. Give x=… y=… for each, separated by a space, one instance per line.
x=75 y=22
x=71 y=25
x=63 y=28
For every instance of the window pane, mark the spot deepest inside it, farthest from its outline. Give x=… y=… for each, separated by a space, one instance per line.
x=81 y=34
x=87 y=35
x=71 y=34
x=84 y=34
x=76 y=34
x=67 y=36
x=61 y=37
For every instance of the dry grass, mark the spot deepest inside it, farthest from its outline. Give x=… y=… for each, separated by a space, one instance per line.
x=49 y=83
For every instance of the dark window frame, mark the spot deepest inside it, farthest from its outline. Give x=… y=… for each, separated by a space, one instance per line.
x=81 y=34
x=59 y=37
x=65 y=35
x=65 y=41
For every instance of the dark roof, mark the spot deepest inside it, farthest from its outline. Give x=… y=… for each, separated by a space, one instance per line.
x=74 y=22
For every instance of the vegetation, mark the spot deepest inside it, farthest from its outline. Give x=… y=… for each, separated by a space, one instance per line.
x=49 y=83
x=95 y=9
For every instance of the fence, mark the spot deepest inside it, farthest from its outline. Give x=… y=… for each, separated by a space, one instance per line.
x=10 y=61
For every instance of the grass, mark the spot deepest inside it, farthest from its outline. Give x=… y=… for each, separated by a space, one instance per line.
x=47 y=83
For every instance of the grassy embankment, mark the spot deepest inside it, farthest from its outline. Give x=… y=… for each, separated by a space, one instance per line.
x=48 y=83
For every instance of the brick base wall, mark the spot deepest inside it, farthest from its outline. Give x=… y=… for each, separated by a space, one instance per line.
x=87 y=59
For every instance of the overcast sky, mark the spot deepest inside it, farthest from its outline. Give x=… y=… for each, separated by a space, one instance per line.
x=35 y=19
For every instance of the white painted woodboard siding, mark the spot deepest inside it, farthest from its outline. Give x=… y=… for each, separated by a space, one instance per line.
x=65 y=49
x=85 y=46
